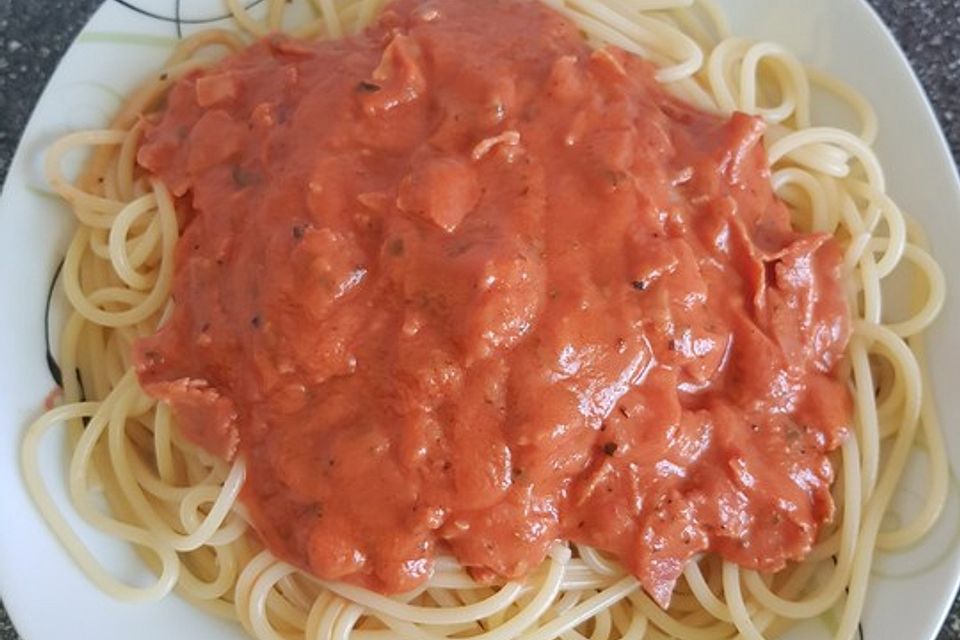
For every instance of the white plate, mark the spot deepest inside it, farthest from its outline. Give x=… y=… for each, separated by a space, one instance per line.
x=46 y=594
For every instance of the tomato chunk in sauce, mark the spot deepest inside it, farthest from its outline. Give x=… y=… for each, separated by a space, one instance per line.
x=463 y=284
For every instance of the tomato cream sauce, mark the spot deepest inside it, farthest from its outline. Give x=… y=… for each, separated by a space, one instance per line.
x=464 y=284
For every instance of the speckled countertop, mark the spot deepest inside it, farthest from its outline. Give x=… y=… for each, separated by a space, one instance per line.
x=35 y=33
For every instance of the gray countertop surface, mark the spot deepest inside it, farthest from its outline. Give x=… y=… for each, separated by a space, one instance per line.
x=34 y=34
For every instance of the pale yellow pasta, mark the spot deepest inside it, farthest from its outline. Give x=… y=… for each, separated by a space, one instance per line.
x=178 y=505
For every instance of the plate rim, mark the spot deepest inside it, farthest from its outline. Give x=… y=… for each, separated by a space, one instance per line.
x=17 y=614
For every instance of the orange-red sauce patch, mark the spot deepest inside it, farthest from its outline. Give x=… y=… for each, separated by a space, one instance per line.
x=464 y=282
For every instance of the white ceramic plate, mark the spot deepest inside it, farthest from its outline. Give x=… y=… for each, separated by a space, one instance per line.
x=46 y=594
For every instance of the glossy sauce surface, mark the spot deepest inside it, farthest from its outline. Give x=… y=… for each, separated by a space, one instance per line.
x=464 y=283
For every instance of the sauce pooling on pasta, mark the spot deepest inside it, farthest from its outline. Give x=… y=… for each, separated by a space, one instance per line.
x=464 y=283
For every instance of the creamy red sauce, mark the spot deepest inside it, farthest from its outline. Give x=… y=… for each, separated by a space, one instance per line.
x=462 y=283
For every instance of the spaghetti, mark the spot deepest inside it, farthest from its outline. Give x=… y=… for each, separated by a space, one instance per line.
x=177 y=504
